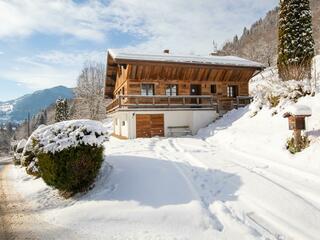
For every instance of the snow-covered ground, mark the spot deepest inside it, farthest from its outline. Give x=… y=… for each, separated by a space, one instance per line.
x=234 y=180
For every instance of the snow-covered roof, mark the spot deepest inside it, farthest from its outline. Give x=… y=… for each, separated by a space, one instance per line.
x=118 y=55
x=299 y=110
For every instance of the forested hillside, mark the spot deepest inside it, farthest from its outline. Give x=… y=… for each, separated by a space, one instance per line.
x=259 y=43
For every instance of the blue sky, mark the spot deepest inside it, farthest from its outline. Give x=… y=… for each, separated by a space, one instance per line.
x=45 y=43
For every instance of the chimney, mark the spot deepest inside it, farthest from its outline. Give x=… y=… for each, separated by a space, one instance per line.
x=166 y=51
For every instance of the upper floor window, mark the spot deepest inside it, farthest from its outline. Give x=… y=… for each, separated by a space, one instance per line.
x=232 y=91
x=213 y=89
x=147 y=89
x=172 y=90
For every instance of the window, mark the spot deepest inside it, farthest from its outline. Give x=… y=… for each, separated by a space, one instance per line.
x=172 y=90
x=213 y=89
x=147 y=89
x=232 y=91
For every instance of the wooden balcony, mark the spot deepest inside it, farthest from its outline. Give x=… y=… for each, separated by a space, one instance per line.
x=175 y=102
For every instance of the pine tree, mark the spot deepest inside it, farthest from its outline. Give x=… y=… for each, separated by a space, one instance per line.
x=296 y=44
x=62 y=113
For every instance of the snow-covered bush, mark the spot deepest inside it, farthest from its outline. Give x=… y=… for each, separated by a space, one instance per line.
x=18 y=149
x=270 y=91
x=70 y=153
x=33 y=168
x=30 y=151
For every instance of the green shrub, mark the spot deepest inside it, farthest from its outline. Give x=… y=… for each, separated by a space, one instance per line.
x=274 y=100
x=16 y=161
x=305 y=142
x=27 y=158
x=73 y=169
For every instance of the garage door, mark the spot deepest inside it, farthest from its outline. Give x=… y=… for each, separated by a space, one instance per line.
x=149 y=125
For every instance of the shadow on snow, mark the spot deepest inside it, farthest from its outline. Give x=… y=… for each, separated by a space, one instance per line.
x=155 y=182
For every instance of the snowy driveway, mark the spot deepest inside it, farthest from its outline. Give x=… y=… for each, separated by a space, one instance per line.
x=185 y=188
x=272 y=200
x=239 y=194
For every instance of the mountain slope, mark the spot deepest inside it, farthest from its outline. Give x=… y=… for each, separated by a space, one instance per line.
x=260 y=42
x=17 y=110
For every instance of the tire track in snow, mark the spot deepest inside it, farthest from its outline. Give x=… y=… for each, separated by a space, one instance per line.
x=224 y=211
x=163 y=152
x=252 y=170
x=263 y=230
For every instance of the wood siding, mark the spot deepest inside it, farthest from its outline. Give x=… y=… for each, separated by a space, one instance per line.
x=129 y=79
x=125 y=78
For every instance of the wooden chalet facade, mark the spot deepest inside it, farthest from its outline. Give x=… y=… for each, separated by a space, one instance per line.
x=159 y=95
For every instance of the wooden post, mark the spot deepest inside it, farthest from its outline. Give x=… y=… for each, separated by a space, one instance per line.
x=238 y=101
x=120 y=101
x=218 y=107
x=297 y=138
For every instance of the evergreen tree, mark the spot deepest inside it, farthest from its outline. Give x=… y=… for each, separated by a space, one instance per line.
x=41 y=118
x=62 y=113
x=296 y=44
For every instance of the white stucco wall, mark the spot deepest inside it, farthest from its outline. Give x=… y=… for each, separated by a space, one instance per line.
x=194 y=119
x=202 y=119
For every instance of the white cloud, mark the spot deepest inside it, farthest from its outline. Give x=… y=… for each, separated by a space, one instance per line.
x=186 y=26
x=39 y=76
x=70 y=58
x=1 y=53
x=50 y=68
x=182 y=25
x=24 y=17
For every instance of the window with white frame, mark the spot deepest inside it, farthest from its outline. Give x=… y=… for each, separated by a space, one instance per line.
x=172 y=90
x=147 y=89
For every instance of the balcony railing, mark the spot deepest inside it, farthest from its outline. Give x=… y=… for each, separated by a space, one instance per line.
x=162 y=101
x=176 y=102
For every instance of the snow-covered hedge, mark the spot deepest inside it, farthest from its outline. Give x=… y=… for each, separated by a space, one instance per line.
x=63 y=135
x=68 y=155
x=58 y=137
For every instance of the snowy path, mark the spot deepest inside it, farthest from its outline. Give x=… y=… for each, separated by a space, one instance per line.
x=18 y=219
x=270 y=201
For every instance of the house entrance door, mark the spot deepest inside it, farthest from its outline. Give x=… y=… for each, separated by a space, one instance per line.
x=195 y=89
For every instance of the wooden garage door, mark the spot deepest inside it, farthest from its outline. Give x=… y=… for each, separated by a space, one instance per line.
x=149 y=125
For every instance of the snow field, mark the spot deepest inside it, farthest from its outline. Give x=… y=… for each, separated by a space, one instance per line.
x=234 y=180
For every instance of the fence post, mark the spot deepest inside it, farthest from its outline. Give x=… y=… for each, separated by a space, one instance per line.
x=120 y=102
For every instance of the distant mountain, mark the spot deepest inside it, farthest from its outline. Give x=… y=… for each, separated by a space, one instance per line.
x=17 y=110
x=259 y=43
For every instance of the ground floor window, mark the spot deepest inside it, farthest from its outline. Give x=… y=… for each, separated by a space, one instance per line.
x=232 y=91
x=147 y=89
x=172 y=90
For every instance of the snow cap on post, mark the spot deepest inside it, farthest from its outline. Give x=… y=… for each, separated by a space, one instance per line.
x=298 y=110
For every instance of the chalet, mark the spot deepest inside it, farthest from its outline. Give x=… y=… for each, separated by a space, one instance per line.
x=166 y=94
